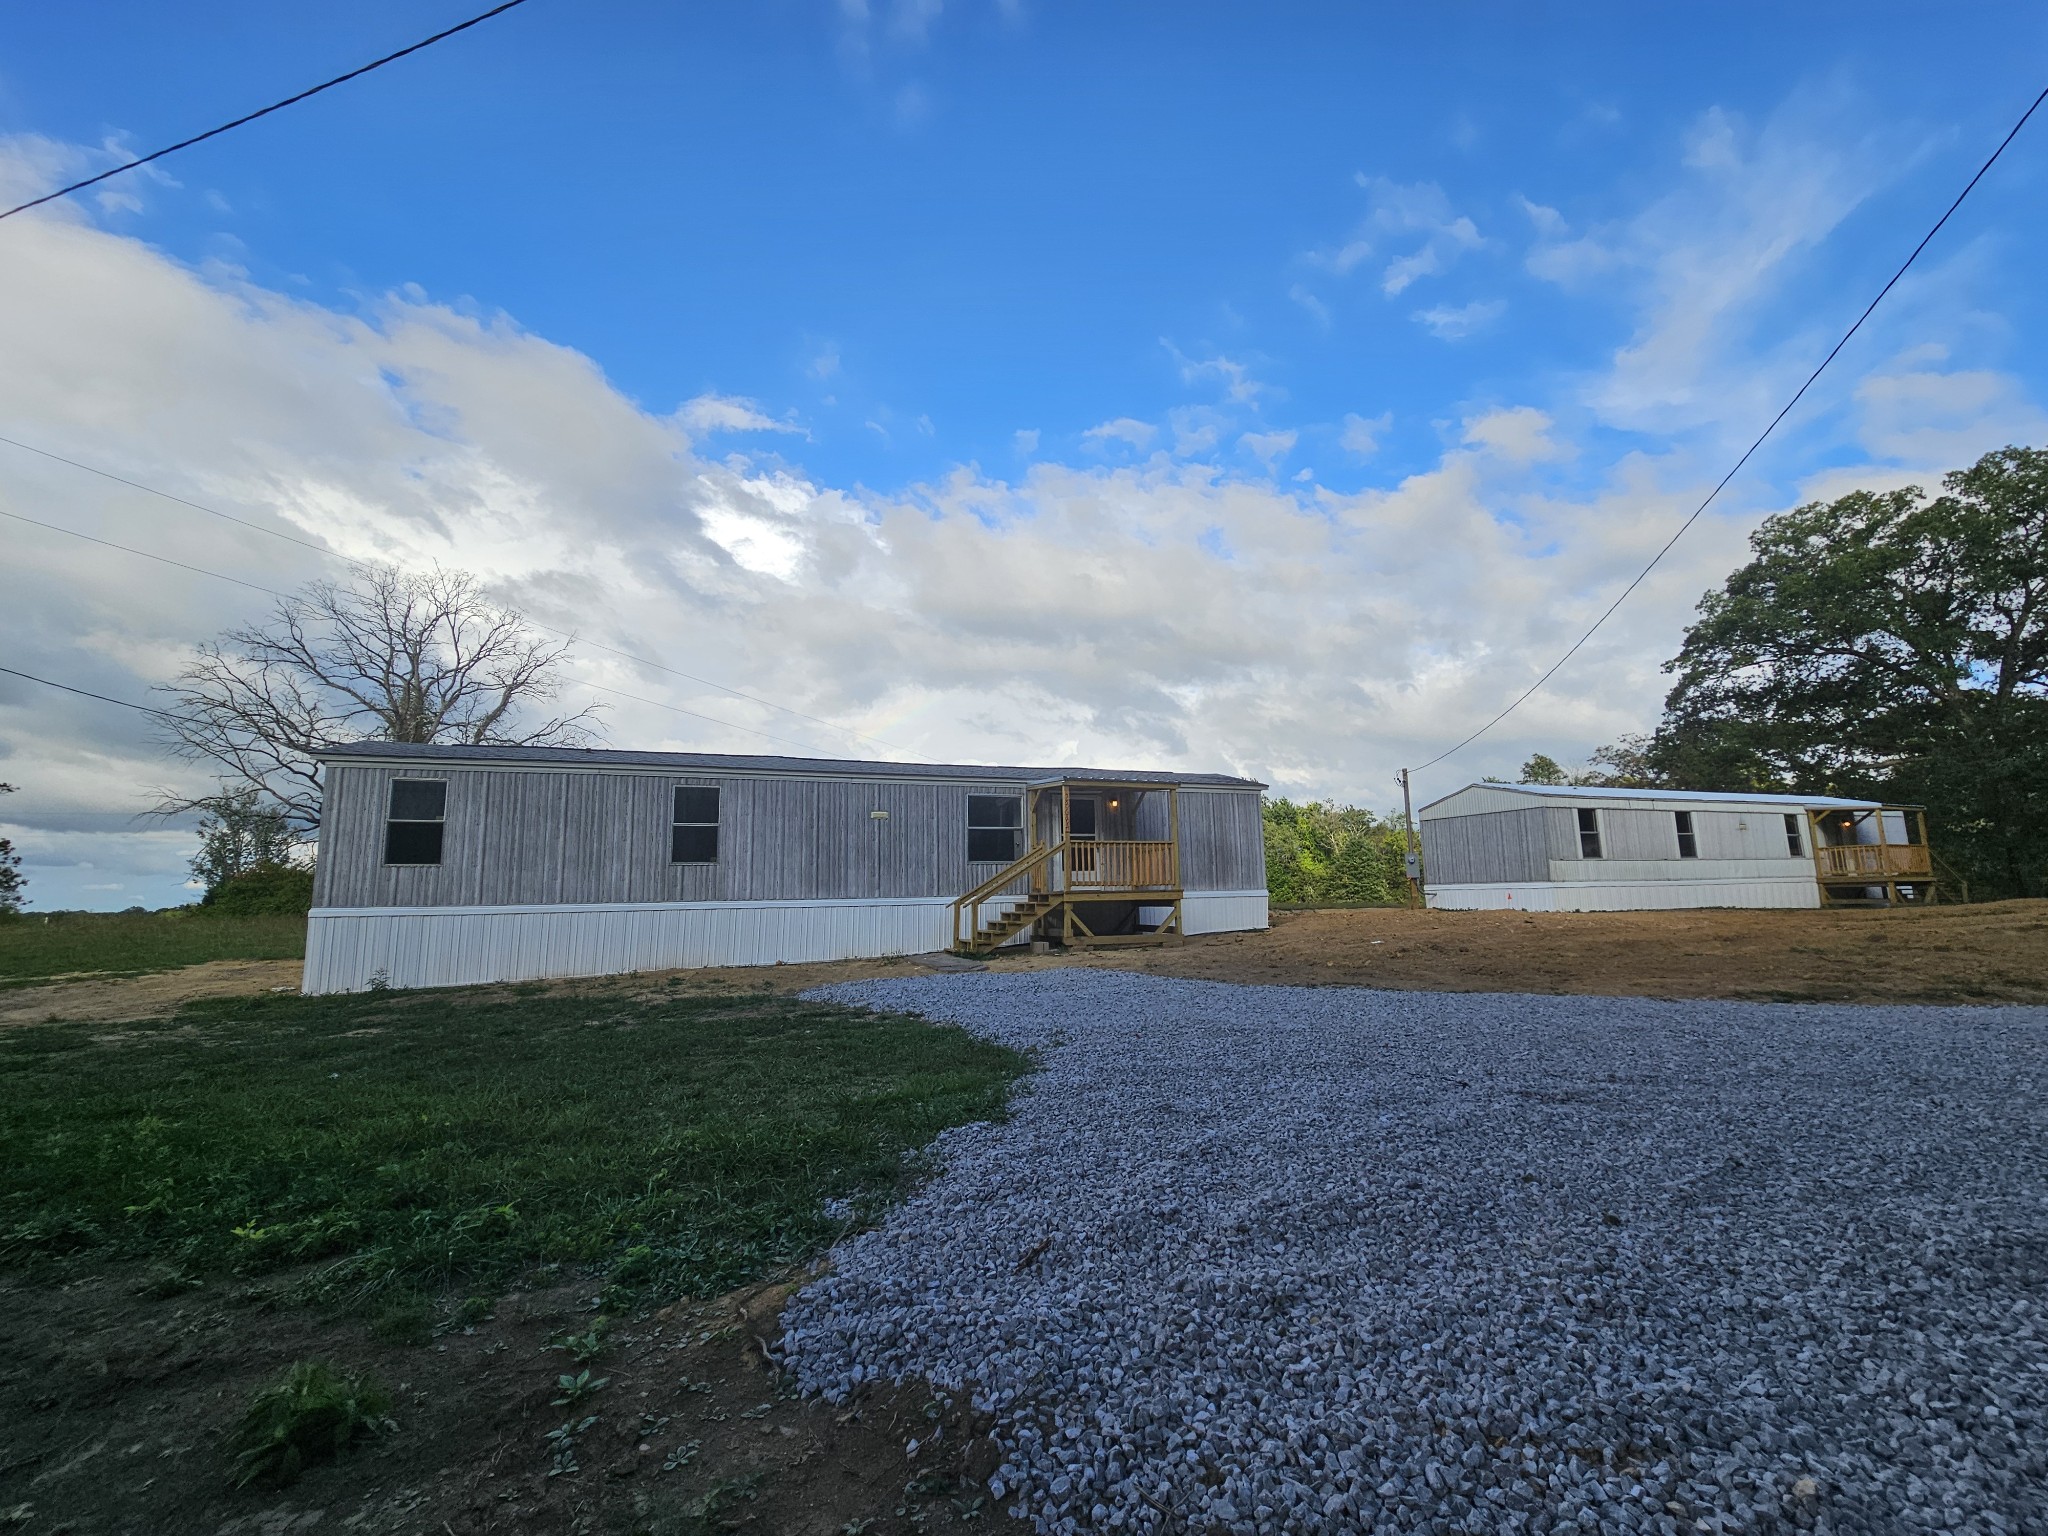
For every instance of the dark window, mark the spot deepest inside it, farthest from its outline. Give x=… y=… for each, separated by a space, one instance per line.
x=992 y=823
x=1792 y=839
x=412 y=833
x=1081 y=817
x=1589 y=833
x=694 y=837
x=1688 y=845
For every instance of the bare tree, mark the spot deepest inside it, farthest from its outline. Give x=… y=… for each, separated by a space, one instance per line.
x=389 y=656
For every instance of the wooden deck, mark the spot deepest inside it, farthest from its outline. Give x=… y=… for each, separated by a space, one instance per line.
x=1868 y=874
x=1074 y=886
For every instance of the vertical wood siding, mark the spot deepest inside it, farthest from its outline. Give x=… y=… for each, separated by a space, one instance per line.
x=1493 y=845
x=520 y=837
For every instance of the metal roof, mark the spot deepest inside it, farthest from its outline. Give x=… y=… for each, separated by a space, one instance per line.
x=1589 y=792
x=743 y=763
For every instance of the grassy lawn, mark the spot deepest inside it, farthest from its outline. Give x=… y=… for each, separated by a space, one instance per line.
x=36 y=947
x=400 y=1146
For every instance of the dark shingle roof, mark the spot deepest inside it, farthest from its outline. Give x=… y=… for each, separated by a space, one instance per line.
x=731 y=762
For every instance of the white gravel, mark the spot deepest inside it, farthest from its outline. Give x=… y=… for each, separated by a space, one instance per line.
x=1290 y=1260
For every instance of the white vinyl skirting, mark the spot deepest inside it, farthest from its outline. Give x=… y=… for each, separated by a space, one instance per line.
x=1625 y=895
x=351 y=949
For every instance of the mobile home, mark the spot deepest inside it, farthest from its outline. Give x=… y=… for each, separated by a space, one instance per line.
x=445 y=865
x=1549 y=848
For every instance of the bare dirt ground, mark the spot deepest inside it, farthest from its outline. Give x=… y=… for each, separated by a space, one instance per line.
x=116 y=1399
x=145 y=997
x=1994 y=952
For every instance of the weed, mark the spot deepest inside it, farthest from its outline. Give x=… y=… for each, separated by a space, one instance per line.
x=716 y=1511
x=312 y=1412
x=582 y=1347
x=681 y=1456
x=575 y=1389
x=562 y=1443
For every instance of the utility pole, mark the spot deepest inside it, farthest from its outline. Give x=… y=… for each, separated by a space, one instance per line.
x=1413 y=860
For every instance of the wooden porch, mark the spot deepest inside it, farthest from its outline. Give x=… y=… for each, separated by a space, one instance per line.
x=1886 y=872
x=1087 y=878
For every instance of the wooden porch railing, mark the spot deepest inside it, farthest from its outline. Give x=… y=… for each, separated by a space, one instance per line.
x=967 y=910
x=1122 y=866
x=1070 y=868
x=1880 y=861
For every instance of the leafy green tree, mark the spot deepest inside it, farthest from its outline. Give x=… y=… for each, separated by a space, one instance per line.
x=241 y=833
x=1892 y=646
x=1542 y=769
x=1324 y=854
x=12 y=880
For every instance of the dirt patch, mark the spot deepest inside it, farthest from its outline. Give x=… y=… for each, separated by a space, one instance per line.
x=146 y=997
x=116 y=1402
x=1996 y=952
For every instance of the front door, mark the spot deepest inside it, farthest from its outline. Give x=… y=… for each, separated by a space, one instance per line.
x=1082 y=811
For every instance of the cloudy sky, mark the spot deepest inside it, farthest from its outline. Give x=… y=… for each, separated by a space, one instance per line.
x=1191 y=386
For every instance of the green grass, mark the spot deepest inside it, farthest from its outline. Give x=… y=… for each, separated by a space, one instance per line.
x=35 y=946
x=414 y=1144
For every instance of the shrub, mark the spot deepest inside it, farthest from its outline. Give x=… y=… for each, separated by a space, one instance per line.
x=312 y=1412
x=267 y=890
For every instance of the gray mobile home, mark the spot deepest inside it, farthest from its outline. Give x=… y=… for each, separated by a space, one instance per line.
x=445 y=865
x=1544 y=848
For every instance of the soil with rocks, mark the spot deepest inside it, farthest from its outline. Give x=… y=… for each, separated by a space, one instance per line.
x=114 y=1401
x=1277 y=1261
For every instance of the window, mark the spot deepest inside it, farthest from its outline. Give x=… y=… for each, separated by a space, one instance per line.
x=694 y=837
x=1688 y=845
x=412 y=834
x=1589 y=832
x=1081 y=811
x=1792 y=839
x=992 y=823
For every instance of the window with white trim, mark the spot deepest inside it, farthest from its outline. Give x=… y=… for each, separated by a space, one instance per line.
x=1589 y=832
x=415 y=818
x=1794 y=843
x=1688 y=844
x=993 y=822
x=693 y=836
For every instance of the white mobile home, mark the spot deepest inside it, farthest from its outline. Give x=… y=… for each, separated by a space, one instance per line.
x=447 y=865
x=1545 y=848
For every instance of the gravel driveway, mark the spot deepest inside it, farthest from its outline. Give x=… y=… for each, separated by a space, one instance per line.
x=1281 y=1259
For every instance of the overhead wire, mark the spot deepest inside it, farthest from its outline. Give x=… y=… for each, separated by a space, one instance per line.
x=275 y=106
x=354 y=563
x=85 y=693
x=1798 y=395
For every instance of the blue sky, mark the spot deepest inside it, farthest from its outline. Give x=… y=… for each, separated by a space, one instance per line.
x=1406 y=330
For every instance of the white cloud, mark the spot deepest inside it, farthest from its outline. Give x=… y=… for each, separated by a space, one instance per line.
x=1124 y=429
x=1454 y=324
x=1026 y=440
x=1165 y=610
x=1922 y=417
x=1518 y=435
x=1361 y=434
x=1271 y=447
x=1403 y=214
x=1235 y=378
x=1549 y=222
x=729 y=413
x=1308 y=301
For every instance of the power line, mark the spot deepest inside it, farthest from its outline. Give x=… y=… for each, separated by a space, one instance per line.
x=333 y=554
x=1643 y=575
x=86 y=693
x=275 y=106
x=129 y=549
